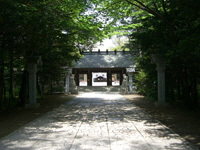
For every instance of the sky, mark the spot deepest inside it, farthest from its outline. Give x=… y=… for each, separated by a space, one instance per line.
x=106 y=44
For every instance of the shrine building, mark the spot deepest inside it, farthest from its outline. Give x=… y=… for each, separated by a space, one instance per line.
x=102 y=71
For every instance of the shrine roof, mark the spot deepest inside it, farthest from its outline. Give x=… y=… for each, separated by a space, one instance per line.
x=106 y=59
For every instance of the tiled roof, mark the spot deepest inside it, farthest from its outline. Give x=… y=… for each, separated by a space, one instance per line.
x=105 y=59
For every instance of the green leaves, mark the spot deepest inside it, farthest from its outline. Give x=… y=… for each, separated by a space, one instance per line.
x=56 y=30
x=167 y=27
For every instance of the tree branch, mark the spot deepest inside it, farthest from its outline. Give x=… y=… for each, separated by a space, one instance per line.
x=155 y=6
x=143 y=7
x=164 y=8
x=135 y=5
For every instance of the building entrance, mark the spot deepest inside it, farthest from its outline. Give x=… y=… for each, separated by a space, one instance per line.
x=83 y=80
x=115 y=79
x=99 y=78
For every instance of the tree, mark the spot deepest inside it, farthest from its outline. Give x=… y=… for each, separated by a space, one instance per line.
x=175 y=38
x=170 y=28
x=119 y=43
x=56 y=30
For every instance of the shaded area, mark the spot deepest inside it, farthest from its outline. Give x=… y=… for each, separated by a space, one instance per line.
x=13 y=119
x=183 y=121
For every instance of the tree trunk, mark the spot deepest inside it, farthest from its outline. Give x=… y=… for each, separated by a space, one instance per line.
x=42 y=88
x=23 y=89
x=195 y=92
x=11 y=78
x=1 y=83
x=171 y=88
x=185 y=85
x=51 y=86
x=2 y=67
x=39 y=92
x=178 y=89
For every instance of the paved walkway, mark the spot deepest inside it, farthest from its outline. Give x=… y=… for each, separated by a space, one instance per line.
x=94 y=121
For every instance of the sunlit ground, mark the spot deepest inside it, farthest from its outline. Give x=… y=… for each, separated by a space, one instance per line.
x=95 y=121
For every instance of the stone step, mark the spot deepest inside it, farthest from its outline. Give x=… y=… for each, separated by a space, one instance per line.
x=99 y=88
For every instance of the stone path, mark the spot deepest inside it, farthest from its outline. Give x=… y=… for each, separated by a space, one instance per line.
x=95 y=121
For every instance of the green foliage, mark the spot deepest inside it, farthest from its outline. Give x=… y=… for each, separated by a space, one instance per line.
x=119 y=43
x=55 y=30
x=145 y=86
x=175 y=36
x=167 y=27
x=59 y=30
x=145 y=79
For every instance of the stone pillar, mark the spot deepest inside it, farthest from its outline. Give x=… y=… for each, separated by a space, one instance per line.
x=124 y=86
x=32 y=69
x=73 y=88
x=130 y=81
x=130 y=78
x=161 y=82
x=160 y=67
x=68 y=72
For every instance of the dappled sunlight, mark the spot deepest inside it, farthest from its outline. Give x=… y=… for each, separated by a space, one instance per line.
x=94 y=121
